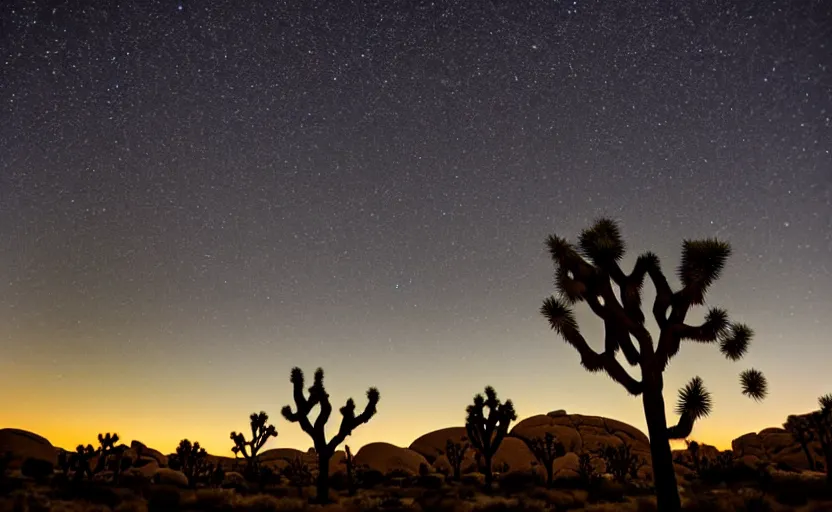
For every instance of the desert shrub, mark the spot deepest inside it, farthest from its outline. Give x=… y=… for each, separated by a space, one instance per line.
x=338 y=481
x=370 y=478
x=430 y=481
x=607 y=491
x=397 y=473
x=436 y=501
x=163 y=498
x=510 y=505
x=91 y=492
x=519 y=481
x=131 y=506
x=791 y=496
x=210 y=500
x=646 y=505
x=266 y=503
x=561 y=500
x=38 y=469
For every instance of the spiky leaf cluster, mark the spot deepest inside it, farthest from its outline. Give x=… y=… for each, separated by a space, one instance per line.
x=754 y=384
x=694 y=400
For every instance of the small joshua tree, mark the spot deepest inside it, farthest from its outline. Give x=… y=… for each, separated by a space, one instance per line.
x=260 y=433
x=107 y=443
x=587 y=273
x=298 y=474
x=546 y=450
x=800 y=427
x=487 y=432
x=349 y=467
x=349 y=421
x=621 y=462
x=693 y=450
x=586 y=471
x=80 y=461
x=821 y=421
x=191 y=459
x=455 y=452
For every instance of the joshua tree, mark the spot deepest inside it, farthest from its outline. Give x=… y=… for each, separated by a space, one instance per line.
x=586 y=471
x=455 y=452
x=349 y=421
x=487 y=432
x=80 y=461
x=260 y=433
x=822 y=425
x=587 y=273
x=693 y=450
x=621 y=462
x=800 y=427
x=546 y=450
x=350 y=467
x=298 y=474
x=191 y=458
x=107 y=444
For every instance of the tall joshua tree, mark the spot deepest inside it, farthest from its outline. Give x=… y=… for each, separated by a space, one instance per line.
x=546 y=449
x=822 y=425
x=800 y=427
x=587 y=273
x=349 y=421
x=487 y=432
x=260 y=433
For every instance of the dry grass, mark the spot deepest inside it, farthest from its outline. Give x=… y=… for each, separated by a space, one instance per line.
x=793 y=495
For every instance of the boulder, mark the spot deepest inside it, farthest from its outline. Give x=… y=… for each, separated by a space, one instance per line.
x=25 y=445
x=776 y=446
x=385 y=457
x=167 y=476
x=432 y=444
x=142 y=450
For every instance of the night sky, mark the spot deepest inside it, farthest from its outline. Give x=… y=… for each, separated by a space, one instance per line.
x=197 y=196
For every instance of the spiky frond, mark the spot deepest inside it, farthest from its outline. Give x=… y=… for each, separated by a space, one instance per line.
x=569 y=288
x=694 y=400
x=560 y=316
x=825 y=402
x=702 y=264
x=734 y=341
x=754 y=384
x=602 y=243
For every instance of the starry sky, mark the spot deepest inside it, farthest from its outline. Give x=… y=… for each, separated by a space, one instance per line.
x=197 y=196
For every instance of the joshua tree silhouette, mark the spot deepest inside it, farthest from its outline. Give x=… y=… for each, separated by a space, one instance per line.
x=487 y=432
x=349 y=421
x=822 y=425
x=586 y=273
x=546 y=449
x=455 y=452
x=191 y=458
x=260 y=433
x=800 y=427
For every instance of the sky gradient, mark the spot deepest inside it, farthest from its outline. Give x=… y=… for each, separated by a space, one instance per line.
x=197 y=196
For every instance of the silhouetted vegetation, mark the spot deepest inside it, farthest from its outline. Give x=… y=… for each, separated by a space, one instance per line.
x=260 y=433
x=800 y=427
x=821 y=422
x=455 y=453
x=349 y=421
x=349 y=467
x=487 y=432
x=621 y=462
x=190 y=460
x=588 y=272
x=298 y=474
x=546 y=450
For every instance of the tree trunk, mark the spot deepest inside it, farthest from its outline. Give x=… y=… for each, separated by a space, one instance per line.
x=322 y=482
x=487 y=469
x=550 y=472
x=457 y=471
x=808 y=454
x=664 y=475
